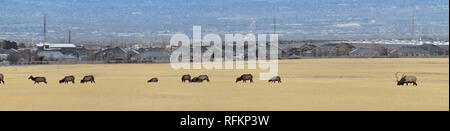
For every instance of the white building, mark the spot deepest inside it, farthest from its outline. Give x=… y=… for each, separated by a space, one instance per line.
x=55 y=46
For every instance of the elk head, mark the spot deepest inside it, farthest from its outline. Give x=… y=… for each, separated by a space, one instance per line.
x=401 y=81
x=238 y=79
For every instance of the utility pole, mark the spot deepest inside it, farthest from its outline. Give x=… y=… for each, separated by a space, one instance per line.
x=45 y=28
x=413 y=27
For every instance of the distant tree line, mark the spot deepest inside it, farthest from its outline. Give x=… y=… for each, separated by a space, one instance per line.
x=6 y=44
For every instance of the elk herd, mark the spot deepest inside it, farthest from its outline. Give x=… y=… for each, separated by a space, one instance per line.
x=198 y=79
x=185 y=78
x=65 y=80
x=404 y=79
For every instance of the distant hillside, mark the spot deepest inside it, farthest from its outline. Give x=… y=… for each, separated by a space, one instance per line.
x=149 y=19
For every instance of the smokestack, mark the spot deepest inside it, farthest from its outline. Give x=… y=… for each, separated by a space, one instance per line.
x=413 y=27
x=45 y=28
x=70 y=36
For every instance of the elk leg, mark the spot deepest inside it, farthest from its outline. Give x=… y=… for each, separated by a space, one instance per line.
x=415 y=83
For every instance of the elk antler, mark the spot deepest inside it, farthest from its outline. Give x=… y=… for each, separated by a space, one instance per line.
x=403 y=75
x=396 y=75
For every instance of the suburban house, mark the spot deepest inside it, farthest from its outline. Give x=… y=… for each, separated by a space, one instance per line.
x=1 y=45
x=112 y=54
x=446 y=51
x=375 y=50
x=154 y=54
x=333 y=50
x=326 y=50
x=365 y=52
x=133 y=55
x=51 y=55
x=57 y=52
x=305 y=50
x=344 y=49
x=118 y=55
x=4 y=59
x=87 y=53
x=433 y=49
x=23 y=56
x=380 y=49
x=409 y=51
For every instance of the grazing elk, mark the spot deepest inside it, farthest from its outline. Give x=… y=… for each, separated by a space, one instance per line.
x=405 y=79
x=185 y=78
x=89 y=78
x=196 y=80
x=202 y=78
x=153 y=80
x=1 y=79
x=68 y=79
x=245 y=78
x=38 y=80
x=275 y=79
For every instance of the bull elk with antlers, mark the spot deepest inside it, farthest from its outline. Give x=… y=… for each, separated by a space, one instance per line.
x=406 y=79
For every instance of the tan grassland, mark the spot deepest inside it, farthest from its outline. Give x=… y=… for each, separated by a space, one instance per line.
x=308 y=84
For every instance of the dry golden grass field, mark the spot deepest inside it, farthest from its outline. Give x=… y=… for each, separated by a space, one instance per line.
x=308 y=84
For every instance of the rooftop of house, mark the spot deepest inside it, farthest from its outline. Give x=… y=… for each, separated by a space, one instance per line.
x=153 y=52
x=364 y=51
x=335 y=45
x=410 y=49
x=364 y=47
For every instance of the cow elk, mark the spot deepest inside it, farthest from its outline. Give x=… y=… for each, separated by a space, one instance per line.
x=38 y=80
x=185 y=78
x=245 y=78
x=68 y=79
x=89 y=78
x=200 y=79
x=275 y=79
x=153 y=80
